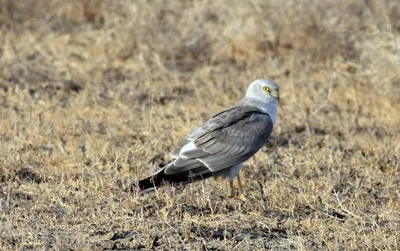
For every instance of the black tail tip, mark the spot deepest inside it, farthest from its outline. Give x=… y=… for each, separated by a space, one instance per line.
x=134 y=187
x=144 y=186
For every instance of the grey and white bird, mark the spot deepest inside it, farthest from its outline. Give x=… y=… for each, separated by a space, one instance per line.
x=219 y=147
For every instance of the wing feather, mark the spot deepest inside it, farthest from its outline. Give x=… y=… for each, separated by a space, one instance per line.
x=181 y=143
x=227 y=139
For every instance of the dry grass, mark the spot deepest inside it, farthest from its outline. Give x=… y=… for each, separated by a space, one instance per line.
x=94 y=93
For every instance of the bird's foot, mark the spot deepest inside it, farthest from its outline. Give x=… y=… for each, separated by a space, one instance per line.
x=240 y=197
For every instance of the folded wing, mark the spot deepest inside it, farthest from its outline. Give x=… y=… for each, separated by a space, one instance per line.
x=227 y=139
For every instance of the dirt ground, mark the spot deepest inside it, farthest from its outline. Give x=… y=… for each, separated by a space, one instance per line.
x=95 y=93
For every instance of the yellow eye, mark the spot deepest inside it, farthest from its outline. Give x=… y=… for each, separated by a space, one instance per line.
x=265 y=88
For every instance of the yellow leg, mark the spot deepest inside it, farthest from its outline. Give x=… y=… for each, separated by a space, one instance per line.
x=241 y=193
x=232 y=188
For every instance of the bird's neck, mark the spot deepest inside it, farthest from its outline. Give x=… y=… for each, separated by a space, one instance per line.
x=270 y=108
x=267 y=107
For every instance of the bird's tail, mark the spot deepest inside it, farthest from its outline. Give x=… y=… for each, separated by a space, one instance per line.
x=159 y=179
x=149 y=184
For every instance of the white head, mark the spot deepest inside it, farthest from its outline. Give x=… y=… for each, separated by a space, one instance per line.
x=263 y=90
x=264 y=93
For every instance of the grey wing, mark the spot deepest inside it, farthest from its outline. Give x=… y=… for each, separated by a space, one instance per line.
x=227 y=139
x=210 y=124
x=181 y=143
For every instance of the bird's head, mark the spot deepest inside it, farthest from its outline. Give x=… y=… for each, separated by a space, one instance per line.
x=263 y=90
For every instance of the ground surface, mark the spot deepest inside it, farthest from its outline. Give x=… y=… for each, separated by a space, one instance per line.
x=95 y=93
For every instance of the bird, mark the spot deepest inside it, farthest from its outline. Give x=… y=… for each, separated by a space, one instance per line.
x=220 y=146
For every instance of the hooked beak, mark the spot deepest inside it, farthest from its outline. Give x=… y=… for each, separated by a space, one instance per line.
x=275 y=94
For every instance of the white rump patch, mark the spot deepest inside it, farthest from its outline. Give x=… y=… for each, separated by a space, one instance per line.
x=187 y=148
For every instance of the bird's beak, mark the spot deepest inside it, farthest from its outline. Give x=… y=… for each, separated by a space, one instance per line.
x=275 y=94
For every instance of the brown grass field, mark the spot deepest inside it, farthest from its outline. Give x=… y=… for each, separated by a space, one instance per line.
x=95 y=93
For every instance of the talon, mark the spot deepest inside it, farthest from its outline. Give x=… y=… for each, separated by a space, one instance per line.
x=242 y=197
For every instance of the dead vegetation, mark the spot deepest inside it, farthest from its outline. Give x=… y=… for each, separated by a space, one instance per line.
x=94 y=93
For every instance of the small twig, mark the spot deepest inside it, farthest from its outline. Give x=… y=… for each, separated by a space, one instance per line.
x=240 y=243
x=343 y=208
x=325 y=103
x=101 y=155
x=115 y=162
x=26 y=164
x=318 y=210
x=180 y=239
